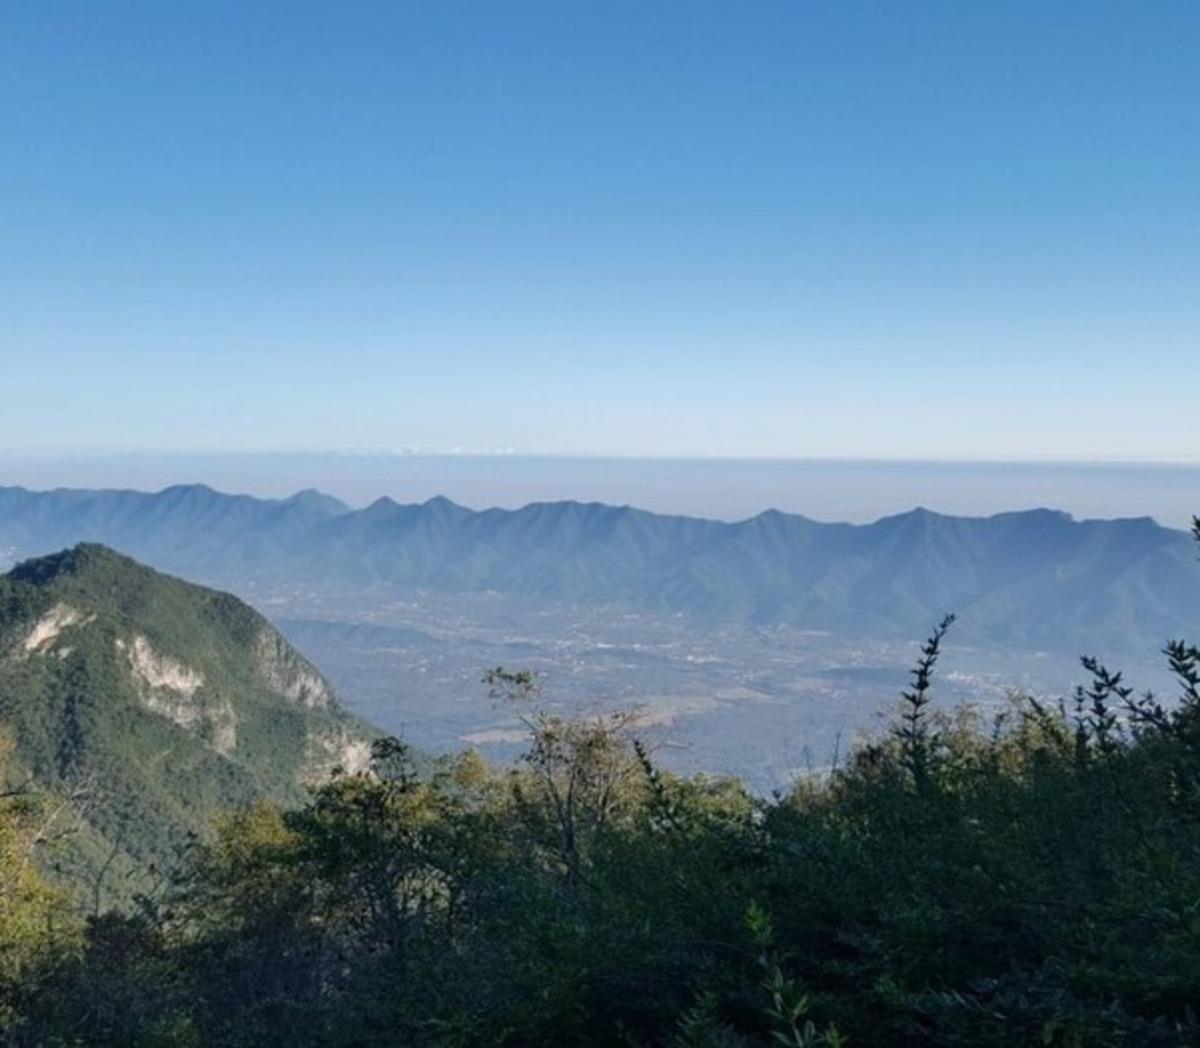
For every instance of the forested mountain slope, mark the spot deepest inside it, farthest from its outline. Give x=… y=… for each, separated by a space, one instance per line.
x=150 y=705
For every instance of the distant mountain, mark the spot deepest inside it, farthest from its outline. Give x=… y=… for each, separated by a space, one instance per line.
x=188 y=527
x=1036 y=578
x=155 y=704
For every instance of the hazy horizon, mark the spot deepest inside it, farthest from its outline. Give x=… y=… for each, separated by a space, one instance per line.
x=854 y=490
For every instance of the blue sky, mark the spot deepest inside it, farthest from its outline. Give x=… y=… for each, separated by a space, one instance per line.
x=882 y=229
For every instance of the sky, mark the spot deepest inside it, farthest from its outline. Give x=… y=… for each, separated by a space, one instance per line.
x=806 y=229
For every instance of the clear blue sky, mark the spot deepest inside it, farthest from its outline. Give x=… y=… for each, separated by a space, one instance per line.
x=902 y=229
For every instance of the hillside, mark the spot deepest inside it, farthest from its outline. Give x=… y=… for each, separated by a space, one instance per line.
x=1034 y=578
x=154 y=704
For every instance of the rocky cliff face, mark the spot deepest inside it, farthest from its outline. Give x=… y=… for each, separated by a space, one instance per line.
x=288 y=674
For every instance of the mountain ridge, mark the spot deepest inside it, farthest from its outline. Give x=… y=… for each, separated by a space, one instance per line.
x=1029 y=577
x=330 y=506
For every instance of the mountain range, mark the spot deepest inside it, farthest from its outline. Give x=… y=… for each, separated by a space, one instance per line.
x=145 y=706
x=1033 y=578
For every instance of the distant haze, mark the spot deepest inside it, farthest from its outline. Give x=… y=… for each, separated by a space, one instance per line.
x=726 y=489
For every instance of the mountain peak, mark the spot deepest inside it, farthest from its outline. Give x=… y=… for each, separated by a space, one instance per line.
x=777 y=522
x=311 y=498
x=383 y=504
x=443 y=506
x=78 y=560
x=188 y=489
x=918 y=516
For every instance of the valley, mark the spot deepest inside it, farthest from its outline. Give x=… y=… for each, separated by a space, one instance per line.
x=767 y=704
x=761 y=649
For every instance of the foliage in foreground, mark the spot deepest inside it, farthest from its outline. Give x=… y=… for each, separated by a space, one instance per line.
x=1031 y=880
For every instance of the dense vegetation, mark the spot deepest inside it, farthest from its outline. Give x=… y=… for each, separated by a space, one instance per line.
x=1030 y=880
